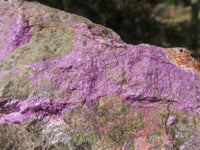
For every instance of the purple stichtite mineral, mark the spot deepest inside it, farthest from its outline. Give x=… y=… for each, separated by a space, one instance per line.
x=67 y=83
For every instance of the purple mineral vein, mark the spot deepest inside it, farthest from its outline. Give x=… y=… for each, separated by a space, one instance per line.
x=99 y=66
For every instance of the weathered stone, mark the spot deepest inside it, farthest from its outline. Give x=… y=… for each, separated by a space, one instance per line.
x=67 y=83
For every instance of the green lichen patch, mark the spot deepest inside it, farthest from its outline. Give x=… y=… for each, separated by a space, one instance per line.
x=15 y=86
x=14 y=136
x=96 y=129
x=46 y=43
x=113 y=123
x=46 y=89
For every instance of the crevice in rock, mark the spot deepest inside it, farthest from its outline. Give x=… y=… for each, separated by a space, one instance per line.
x=47 y=108
x=140 y=99
x=9 y=106
x=147 y=100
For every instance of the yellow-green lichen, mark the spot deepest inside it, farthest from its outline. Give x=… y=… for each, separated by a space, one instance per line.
x=14 y=136
x=45 y=88
x=15 y=85
x=46 y=43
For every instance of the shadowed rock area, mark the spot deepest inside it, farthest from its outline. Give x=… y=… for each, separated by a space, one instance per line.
x=67 y=83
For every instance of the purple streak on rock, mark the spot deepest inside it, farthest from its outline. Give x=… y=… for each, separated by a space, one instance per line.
x=8 y=106
x=14 y=31
x=96 y=83
x=95 y=68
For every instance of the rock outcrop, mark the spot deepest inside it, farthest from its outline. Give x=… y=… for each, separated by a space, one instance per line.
x=67 y=83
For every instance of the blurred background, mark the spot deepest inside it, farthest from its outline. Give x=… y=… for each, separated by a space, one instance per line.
x=165 y=23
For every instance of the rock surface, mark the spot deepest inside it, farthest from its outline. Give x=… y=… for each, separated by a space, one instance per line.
x=67 y=83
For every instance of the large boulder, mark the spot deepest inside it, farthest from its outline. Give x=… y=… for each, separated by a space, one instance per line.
x=67 y=83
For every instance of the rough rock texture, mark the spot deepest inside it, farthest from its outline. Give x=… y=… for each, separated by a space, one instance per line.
x=67 y=83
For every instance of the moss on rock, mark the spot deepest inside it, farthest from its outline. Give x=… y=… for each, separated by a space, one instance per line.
x=46 y=43
x=16 y=85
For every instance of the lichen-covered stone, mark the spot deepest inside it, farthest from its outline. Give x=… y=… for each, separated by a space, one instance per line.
x=15 y=85
x=67 y=83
